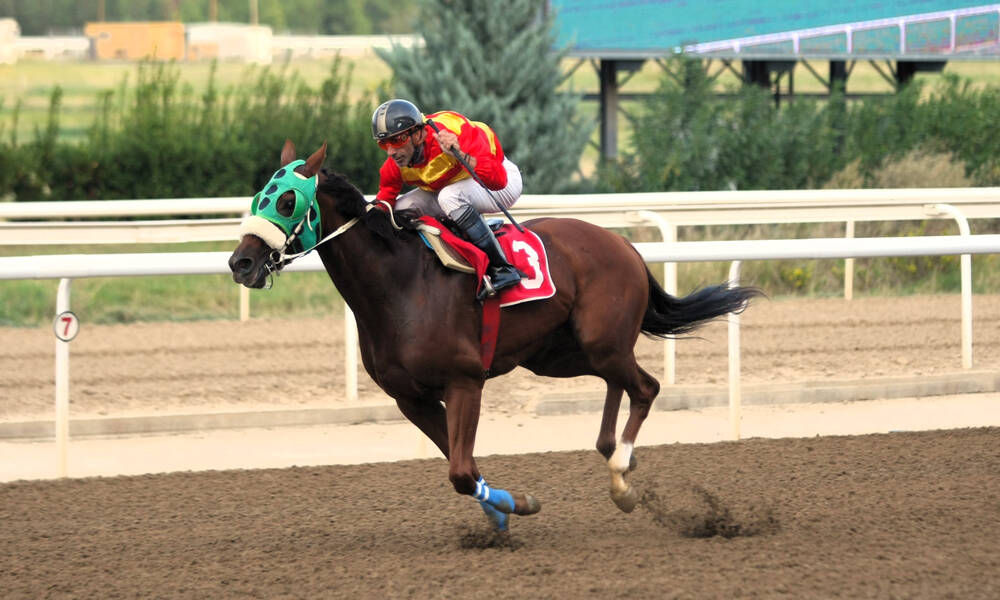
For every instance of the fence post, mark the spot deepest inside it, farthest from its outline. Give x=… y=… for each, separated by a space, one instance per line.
x=849 y=265
x=244 y=303
x=735 y=393
x=245 y=294
x=350 y=355
x=669 y=234
x=62 y=384
x=964 y=230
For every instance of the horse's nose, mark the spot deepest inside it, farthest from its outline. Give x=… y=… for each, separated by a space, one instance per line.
x=240 y=265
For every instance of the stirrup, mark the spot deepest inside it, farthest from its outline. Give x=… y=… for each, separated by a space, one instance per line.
x=487 y=291
x=508 y=279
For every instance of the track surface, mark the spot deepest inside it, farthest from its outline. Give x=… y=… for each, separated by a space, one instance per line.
x=150 y=368
x=913 y=515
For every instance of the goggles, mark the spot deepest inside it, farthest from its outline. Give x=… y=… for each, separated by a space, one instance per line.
x=395 y=141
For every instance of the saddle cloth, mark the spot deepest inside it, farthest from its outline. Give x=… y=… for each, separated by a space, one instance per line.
x=524 y=250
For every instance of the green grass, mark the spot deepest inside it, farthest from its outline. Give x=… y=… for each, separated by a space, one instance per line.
x=169 y=298
x=29 y=303
x=31 y=83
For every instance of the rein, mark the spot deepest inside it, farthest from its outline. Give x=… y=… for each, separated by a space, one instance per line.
x=279 y=256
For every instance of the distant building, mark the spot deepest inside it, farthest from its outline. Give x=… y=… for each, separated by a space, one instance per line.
x=135 y=41
x=229 y=41
x=235 y=42
x=9 y=32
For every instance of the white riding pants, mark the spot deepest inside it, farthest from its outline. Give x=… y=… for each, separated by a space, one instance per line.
x=452 y=197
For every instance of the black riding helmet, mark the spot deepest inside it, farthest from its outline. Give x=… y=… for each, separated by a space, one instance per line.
x=393 y=117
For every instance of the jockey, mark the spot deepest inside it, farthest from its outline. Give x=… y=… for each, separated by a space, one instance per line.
x=419 y=157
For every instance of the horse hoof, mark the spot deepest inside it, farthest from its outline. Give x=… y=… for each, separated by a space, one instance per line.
x=627 y=500
x=526 y=505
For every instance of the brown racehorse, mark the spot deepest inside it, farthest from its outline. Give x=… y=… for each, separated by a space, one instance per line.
x=419 y=324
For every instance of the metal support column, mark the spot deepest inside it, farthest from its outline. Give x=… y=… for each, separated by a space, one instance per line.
x=609 y=108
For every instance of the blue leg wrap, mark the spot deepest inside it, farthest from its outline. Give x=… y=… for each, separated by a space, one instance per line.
x=496 y=503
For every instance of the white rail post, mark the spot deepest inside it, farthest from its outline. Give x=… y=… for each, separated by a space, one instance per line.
x=669 y=234
x=244 y=303
x=963 y=229
x=735 y=394
x=62 y=384
x=849 y=265
x=245 y=294
x=350 y=355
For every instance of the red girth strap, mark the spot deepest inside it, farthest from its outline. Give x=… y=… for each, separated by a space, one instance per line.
x=491 y=327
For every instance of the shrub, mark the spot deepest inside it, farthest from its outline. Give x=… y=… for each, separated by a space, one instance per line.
x=158 y=139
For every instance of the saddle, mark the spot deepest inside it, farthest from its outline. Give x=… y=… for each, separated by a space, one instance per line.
x=525 y=251
x=448 y=255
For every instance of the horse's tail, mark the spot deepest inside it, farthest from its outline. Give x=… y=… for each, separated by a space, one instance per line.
x=667 y=316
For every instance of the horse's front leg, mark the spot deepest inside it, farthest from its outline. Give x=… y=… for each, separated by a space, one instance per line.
x=462 y=402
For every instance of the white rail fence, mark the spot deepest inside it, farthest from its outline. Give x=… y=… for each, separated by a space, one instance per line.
x=46 y=222
x=69 y=267
x=667 y=211
x=664 y=210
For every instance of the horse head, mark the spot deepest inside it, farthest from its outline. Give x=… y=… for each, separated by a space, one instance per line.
x=290 y=214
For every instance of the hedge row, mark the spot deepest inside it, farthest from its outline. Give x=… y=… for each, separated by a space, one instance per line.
x=159 y=139
x=687 y=137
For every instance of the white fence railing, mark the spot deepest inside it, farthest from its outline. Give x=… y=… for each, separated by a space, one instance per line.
x=667 y=211
x=67 y=267
x=610 y=210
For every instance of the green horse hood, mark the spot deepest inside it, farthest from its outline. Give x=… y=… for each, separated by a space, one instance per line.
x=306 y=211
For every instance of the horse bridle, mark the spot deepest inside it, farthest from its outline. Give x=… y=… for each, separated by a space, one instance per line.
x=279 y=256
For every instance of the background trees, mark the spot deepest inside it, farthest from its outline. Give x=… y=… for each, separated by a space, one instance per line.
x=493 y=62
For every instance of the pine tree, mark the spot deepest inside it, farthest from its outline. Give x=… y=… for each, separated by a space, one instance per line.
x=496 y=62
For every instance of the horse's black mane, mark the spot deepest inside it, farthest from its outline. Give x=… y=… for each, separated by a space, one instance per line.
x=350 y=202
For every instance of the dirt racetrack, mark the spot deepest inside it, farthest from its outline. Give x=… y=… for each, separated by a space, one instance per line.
x=908 y=515
x=154 y=368
x=901 y=515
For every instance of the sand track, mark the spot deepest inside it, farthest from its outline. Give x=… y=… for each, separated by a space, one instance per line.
x=154 y=368
x=914 y=515
x=909 y=515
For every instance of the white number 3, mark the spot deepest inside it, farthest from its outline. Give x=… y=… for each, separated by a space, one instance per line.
x=535 y=282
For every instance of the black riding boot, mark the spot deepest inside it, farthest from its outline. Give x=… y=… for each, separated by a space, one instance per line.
x=501 y=273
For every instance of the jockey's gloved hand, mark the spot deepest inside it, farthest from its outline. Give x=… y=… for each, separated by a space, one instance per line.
x=407 y=215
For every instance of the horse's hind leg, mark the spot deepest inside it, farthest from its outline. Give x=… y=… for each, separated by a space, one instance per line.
x=621 y=372
x=622 y=493
x=609 y=421
x=622 y=460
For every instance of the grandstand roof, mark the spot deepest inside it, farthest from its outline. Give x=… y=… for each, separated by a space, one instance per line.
x=780 y=29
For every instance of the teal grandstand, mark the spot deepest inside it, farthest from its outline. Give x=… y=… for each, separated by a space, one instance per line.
x=762 y=41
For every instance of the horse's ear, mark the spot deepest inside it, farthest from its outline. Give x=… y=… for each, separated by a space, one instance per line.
x=314 y=162
x=287 y=152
